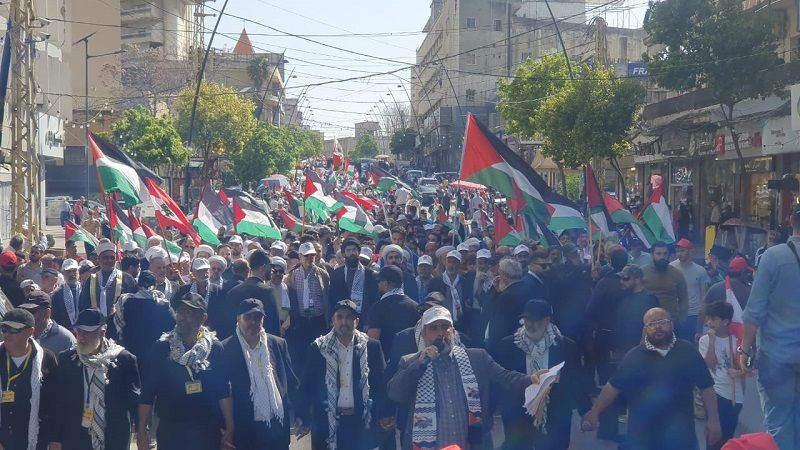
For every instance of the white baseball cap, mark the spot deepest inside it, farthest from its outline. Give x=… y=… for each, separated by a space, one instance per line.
x=436 y=313
x=454 y=254
x=401 y=217
x=204 y=248
x=307 y=248
x=444 y=250
x=280 y=245
x=472 y=241
x=235 y=239
x=29 y=283
x=200 y=264
x=69 y=264
x=366 y=252
x=85 y=263
x=521 y=249
x=484 y=253
x=462 y=247
x=425 y=259
x=130 y=246
x=157 y=238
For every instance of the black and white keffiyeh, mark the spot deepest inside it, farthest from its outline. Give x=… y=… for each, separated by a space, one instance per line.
x=327 y=347
x=193 y=290
x=196 y=358
x=36 y=394
x=536 y=350
x=653 y=348
x=69 y=301
x=97 y=366
x=357 y=291
x=455 y=296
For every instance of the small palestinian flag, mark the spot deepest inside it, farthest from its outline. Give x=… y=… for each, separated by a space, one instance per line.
x=117 y=175
x=564 y=213
x=119 y=222
x=139 y=235
x=77 y=233
x=168 y=213
x=352 y=217
x=596 y=204
x=291 y=222
x=316 y=199
x=211 y=215
x=253 y=220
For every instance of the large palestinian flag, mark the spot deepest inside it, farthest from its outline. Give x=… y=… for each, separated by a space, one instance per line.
x=251 y=219
x=620 y=215
x=488 y=161
x=77 y=233
x=168 y=213
x=211 y=215
x=657 y=217
x=564 y=213
x=352 y=217
x=120 y=176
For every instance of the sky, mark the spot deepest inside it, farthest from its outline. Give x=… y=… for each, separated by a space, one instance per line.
x=385 y=32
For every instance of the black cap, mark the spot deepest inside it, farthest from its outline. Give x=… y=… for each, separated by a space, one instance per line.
x=146 y=279
x=431 y=300
x=35 y=300
x=250 y=305
x=347 y=304
x=537 y=309
x=350 y=242
x=18 y=319
x=90 y=319
x=392 y=274
x=50 y=272
x=194 y=301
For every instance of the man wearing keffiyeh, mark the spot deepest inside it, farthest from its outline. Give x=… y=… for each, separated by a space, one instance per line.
x=446 y=388
x=98 y=389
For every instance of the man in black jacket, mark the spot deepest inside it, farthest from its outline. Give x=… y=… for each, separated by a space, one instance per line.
x=535 y=347
x=103 y=422
x=393 y=255
x=353 y=281
x=224 y=314
x=262 y=381
x=393 y=312
x=508 y=305
x=65 y=298
x=342 y=415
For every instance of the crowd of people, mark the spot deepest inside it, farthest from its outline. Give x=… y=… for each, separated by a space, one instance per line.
x=414 y=334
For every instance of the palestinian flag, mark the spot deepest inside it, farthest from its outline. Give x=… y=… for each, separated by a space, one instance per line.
x=293 y=203
x=139 y=235
x=364 y=202
x=168 y=213
x=564 y=213
x=211 y=215
x=488 y=161
x=386 y=181
x=119 y=222
x=504 y=234
x=596 y=203
x=291 y=222
x=316 y=198
x=657 y=218
x=147 y=230
x=119 y=176
x=77 y=233
x=621 y=216
x=337 y=159
x=173 y=249
x=251 y=219
x=352 y=217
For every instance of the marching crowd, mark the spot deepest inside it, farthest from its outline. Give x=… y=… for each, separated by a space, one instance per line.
x=361 y=340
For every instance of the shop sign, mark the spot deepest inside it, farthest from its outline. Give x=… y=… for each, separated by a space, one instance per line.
x=681 y=175
x=637 y=71
x=779 y=137
x=758 y=165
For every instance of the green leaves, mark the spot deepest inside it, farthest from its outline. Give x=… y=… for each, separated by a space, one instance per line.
x=366 y=147
x=153 y=141
x=403 y=141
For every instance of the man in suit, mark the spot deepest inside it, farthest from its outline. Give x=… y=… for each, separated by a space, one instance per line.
x=508 y=304
x=534 y=348
x=200 y=283
x=262 y=381
x=103 y=288
x=538 y=271
x=224 y=319
x=104 y=421
x=446 y=388
x=353 y=281
x=65 y=298
x=342 y=415
x=457 y=290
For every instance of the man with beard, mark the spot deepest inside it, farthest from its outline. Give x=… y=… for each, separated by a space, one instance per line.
x=65 y=298
x=130 y=265
x=102 y=289
x=142 y=318
x=424 y=274
x=393 y=312
x=353 y=281
x=48 y=333
x=237 y=246
x=158 y=266
x=280 y=290
x=668 y=284
x=537 y=276
x=446 y=388
x=27 y=412
x=71 y=250
x=224 y=310
x=657 y=379
x=393 y=256
x=572 y=288
x=32 y=270
x=535 y=347
x=217 y=266
x=697 y=280
x=49 y=280
x=337 y=404
x=308 y=286
x=262 y=381
x=98 y=389
x=508 y=303
x=200 y=284
x=458 y=292
x=185 y=379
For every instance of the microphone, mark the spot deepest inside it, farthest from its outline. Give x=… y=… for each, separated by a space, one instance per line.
x=441 y=347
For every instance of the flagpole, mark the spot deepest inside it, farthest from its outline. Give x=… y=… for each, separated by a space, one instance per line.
x=588 y=212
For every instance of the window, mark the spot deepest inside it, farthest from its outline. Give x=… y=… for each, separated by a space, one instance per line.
x=470 y=95
x=498 y=25
x=471 y=59
x=525 y=56
x=471 y=23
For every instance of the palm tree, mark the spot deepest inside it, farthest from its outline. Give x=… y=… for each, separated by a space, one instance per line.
x=258 y=70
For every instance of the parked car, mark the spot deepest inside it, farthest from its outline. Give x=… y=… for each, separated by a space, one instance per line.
x=427 y=189
x=449 y=176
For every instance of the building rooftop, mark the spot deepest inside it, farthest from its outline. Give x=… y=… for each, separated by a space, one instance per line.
x=243 y=46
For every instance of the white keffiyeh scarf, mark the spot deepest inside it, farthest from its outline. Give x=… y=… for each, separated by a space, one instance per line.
x=119 y=317
x=396 y=291
x=69 y=301
x=267 y=402
x=535 y=351
x=424 y=428
x=452 y=286
x=196 y=358
x=36 y=394
x=327 y=347
x=97 y=365
x=357 y=291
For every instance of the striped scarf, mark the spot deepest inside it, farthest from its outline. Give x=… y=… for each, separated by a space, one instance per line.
x=196 y=358
x=327 y=347
x=424 y=429
x=97 y=365
x=36 y=393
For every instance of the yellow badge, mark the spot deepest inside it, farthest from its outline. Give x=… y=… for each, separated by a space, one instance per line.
x=193 y=387
x=7 y=397
x=88 y=416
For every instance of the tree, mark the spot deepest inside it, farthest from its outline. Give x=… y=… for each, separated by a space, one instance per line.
x=153 y=141
x=259 y=72
x=366 y=147
x=150 y=78
x=716 y=45
x=403 y=141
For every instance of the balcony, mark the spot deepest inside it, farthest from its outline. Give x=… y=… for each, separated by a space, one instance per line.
x=140 y=14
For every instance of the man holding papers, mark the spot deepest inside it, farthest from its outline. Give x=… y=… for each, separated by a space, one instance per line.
x=534 y=348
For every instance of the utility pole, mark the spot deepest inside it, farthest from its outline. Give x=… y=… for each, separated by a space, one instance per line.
x=25 y=164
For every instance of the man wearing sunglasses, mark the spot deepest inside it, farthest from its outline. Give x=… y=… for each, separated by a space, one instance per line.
x=538 y=273
x=26 y=378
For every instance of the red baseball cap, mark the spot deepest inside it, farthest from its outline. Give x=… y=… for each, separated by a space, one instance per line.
x=684 y=243
x=739 y=264
x=8 y=260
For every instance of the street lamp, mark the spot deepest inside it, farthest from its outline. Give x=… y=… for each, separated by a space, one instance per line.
x=87 y=57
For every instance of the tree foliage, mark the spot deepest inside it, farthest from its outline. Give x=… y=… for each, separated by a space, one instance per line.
x=366 y=147
x=272 y=150
x=153 y=141
x=403 y=141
